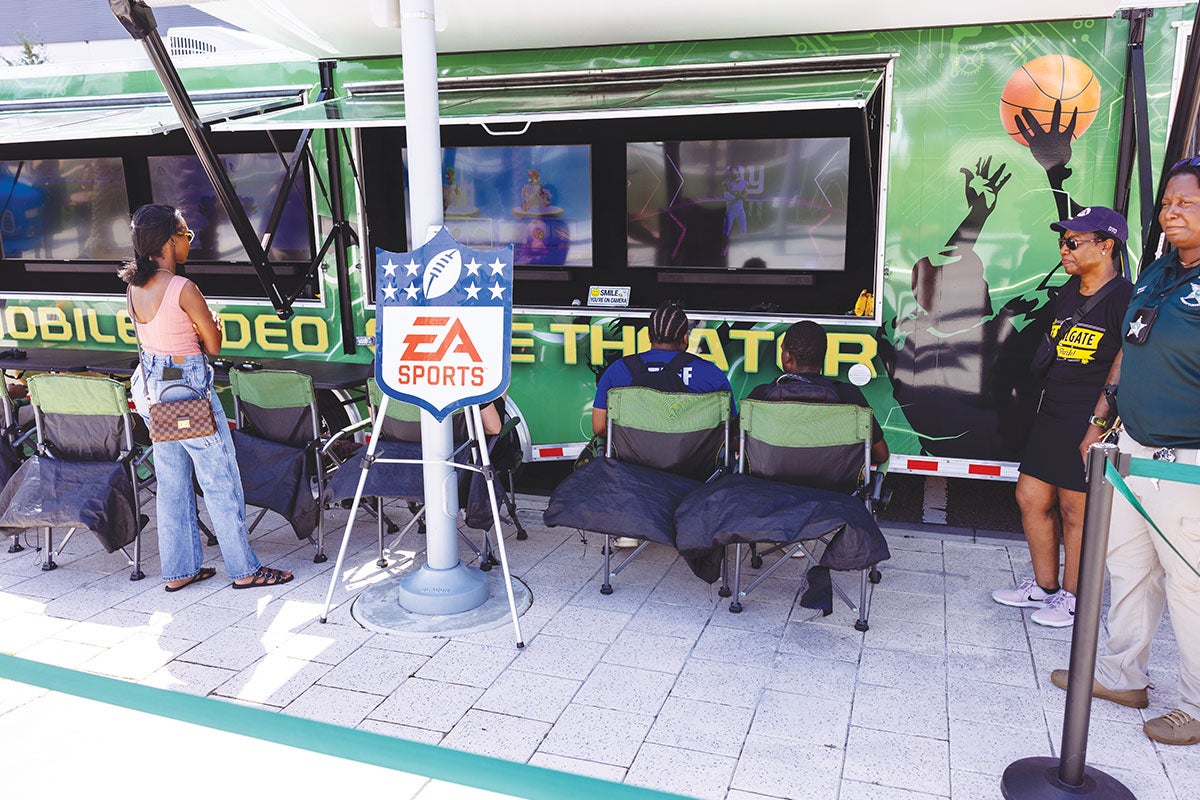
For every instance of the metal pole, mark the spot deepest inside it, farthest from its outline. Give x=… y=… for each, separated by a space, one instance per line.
x=443 y=585
x=333 y=154
x=1069 y=776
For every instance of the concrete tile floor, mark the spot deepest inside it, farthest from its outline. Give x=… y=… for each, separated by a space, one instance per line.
x=656 y=685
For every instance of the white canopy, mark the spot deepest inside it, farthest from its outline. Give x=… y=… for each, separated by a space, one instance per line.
x=343 y=28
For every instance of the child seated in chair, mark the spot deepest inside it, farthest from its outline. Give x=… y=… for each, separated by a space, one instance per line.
x=803 y=357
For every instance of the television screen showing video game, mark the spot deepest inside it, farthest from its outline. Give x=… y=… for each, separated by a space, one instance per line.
x=537 y=198
x=765 y=204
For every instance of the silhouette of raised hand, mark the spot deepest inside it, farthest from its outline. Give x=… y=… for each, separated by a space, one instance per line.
x=1050 y=146
x=982 y=188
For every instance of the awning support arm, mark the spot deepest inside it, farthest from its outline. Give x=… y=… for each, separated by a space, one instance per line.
x=1182 y=134
x=138 y=20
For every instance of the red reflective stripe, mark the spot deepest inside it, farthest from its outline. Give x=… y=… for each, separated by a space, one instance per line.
x=550 y=452
x=932 y=466
x=983 y=469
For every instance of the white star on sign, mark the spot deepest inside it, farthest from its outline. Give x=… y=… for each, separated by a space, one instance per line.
x=389 y=268
x=473 y=290
x=497 y=291
x=1135 y=327
x=496 y=267
x=389 y=292
x=411 y=290
x=412 y=266
x=473 y=267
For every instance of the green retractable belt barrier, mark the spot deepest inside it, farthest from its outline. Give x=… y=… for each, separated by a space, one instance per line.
x=440 y=763
x=1164 y=470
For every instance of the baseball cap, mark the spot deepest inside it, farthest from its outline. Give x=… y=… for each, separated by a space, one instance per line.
x=1098 y=219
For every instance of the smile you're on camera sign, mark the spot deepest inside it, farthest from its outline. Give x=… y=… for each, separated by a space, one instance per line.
x=443 y=324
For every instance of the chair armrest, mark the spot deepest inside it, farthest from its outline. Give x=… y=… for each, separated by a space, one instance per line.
x=346 y=431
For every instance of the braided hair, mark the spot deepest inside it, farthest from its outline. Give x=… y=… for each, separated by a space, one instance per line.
x=668 y=324
x=152 y=227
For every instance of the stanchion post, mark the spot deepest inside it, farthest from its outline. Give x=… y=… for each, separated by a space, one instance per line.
x=1042 y=778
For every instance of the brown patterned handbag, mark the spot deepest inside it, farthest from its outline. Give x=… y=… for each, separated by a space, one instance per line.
x=189 y=418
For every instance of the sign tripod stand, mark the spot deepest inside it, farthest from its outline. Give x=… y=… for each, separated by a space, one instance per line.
x=483 y=467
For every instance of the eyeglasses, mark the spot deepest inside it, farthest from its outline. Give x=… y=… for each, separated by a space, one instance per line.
x=1194 y=161
x=1073 y=244
x=189 y=235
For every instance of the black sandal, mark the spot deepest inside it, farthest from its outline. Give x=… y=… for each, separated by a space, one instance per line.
x=265 y=576
x=202 y=575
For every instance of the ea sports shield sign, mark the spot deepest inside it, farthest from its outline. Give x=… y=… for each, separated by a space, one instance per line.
x=443 y=324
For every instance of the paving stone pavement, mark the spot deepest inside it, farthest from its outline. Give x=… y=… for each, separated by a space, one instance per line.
x=656 y=685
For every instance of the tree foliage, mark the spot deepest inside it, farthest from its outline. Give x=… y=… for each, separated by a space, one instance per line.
x=32 y=51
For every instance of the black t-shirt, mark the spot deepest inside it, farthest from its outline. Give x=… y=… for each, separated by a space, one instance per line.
x=1086 y=353
x=847 y=394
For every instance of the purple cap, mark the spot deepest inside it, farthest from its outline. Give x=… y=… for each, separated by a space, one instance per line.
x=1095 y=219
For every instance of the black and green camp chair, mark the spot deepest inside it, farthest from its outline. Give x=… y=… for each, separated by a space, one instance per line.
x=803 y=476
x=279 y=446
x=85 y=471
x=661 y=447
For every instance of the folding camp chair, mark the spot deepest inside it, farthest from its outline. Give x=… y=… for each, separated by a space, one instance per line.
x=85 y=471
x=661 y=447
x=803 y=477
x=279 y=448
x=400 y=438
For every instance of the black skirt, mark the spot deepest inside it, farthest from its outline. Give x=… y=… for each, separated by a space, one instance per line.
x=1052 y=454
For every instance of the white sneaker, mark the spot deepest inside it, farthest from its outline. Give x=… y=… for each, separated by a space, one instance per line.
x=1027 y=595
x=624 y=541
x=1058 y=611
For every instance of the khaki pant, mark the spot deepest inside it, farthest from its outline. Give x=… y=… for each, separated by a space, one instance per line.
x=1146 y=573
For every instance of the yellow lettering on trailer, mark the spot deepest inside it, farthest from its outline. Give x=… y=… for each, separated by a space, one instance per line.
x=26 y=319
x=627 y=344
x=752 y=339
x=570 y=332
x=93 y=328
x=863 y=350
x=53 y=325
x=522 y=341
x=267 y=330
x=231 y=322
x=125 y=327
x=320 y=336
x=710 y=339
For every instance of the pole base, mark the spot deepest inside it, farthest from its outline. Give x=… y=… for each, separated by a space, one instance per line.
x=1037 y=779
x=443 y=591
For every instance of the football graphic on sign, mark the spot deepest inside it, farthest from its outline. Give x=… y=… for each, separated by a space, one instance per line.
x=441 y=273
x=443 y=324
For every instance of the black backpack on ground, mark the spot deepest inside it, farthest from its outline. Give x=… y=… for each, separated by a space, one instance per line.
x=663 y=377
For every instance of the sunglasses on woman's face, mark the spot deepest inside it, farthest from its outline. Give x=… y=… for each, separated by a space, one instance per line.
x=187 y=234
x=1073 y=244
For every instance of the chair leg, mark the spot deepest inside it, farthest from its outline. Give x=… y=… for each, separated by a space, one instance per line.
x=382 y=562
x=48 y=562
x=606 y=586
x=511 y=505
x=15 y=546
x=861 y=624
x=735 y=605
x=724 y=591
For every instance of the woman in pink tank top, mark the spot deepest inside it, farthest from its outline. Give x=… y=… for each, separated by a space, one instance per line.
x=176 y=330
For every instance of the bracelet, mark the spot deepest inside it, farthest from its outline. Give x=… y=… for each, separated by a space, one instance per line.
x=1099 y=422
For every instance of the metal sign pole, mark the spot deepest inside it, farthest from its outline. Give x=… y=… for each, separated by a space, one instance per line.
x=443 y=585
x=1042 y=778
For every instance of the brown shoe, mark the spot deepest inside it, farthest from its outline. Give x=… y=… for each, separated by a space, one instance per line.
x=1134 y=698
x=1174 y=727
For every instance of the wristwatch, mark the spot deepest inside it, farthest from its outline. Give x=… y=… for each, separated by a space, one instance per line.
x=1100 y=422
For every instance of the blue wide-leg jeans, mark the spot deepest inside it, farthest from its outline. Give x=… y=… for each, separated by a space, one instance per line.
x=210 y=459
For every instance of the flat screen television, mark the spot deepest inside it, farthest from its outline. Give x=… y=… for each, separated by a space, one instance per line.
x=754 y=204
x=538 y=198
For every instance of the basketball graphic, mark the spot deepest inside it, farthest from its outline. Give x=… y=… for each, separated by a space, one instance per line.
x=1037 y=84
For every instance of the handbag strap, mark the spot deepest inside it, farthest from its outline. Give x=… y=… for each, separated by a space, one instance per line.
x=1084 y=309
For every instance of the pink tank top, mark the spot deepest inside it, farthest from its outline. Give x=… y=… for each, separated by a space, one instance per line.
x=170 y=331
